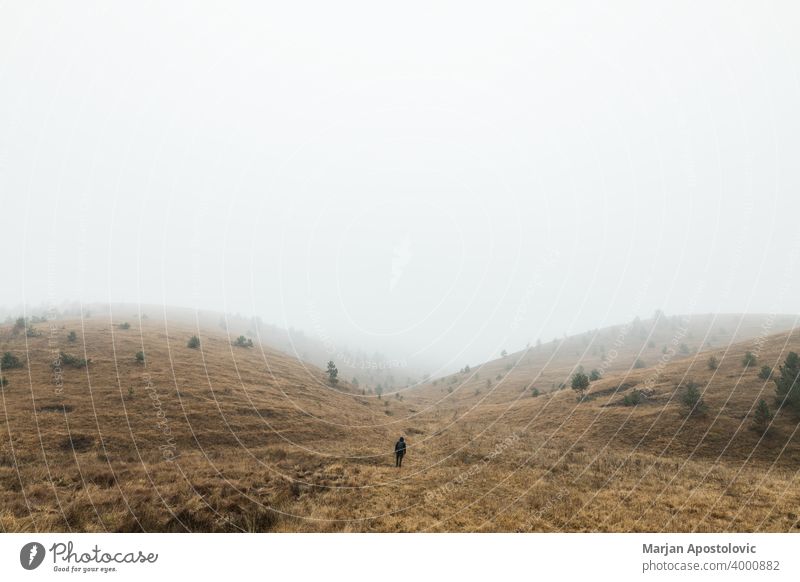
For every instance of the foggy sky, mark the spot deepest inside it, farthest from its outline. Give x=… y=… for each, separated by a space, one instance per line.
x=433 y=180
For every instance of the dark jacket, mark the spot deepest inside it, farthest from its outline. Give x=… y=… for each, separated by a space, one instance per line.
x=400 y=447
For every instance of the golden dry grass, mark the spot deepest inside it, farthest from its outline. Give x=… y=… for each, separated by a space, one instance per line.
x=236 y=439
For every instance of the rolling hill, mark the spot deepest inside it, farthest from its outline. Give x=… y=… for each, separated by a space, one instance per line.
x=227 y=438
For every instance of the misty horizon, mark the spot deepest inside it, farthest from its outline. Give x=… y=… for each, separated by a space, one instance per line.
x=419 y=198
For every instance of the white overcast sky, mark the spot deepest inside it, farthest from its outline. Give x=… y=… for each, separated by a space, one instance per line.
x=423 y=178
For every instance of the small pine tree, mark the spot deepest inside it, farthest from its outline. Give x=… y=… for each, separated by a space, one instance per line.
x=749 y=359
x=139 y=357
x=692 y=399
x=713 y=363
x=194 y=342
x=72 y=337
x=10 y=361
x=333 y=374
x=594 y=375
x=787 y=382
x=639 y=363
x=503 y=354
x=3 y=382
x=535 y=392
x=632 y=399
x=762 y=417
x=243 y=342
x=765 y=373
x=125 y=325
x=580 y=383
x=379 y=391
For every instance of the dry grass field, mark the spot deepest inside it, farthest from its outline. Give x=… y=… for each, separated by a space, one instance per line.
x=227 y=438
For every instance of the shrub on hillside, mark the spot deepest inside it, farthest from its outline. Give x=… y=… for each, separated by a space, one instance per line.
x=139 y=357
x=72 y=337
x=31 y=331
x=787 y=382
x=124 y=325
x=535 y=392
x=19 y=325
x=333 y=374
x=580 y=383
x=10 y=361
x=713 y=363
x=194 y=342
x=243 y=342
x=639 y=363
x=632 y=399
x=692 y=399
x=73 y=361
x=3 y=382
x=765 y=373
x=594 y=375
x=762 y=417
x=749 y=359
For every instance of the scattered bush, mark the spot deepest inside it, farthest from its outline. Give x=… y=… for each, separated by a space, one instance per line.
x=243 y=342
x=692 y=399
x=333 y=374
x=73 y=361
x=594 y=375
x=19 y=325
x=787 y=382
x=10 y=361
x=503 y=354
x=3 y=382
x=72 y=337
x=632 y=399
x=535 y=392
x=639 y=363
x=765 y=373
x=684 y=349
x=124 y=325
x=580 y=383
x=713 y=363
x=139 y=357
x=749 y=359
x=762 y=417
x=31 y=331
x=194 y=342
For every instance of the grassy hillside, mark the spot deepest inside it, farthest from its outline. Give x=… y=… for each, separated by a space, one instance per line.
x=225 y=438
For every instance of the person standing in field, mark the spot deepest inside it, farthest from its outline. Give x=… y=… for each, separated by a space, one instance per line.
x=399 y=452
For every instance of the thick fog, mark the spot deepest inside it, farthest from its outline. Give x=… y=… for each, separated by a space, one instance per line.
x=436 y=181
